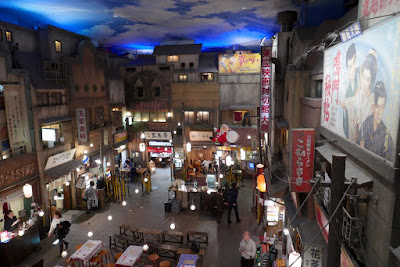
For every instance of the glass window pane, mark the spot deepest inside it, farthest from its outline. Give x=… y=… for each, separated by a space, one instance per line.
x=145 y=116
x=189 y=117
x=154 y=116
x=137 y=116
x=162 y=117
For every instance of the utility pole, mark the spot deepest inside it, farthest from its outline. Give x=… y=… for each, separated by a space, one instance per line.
x=338 y=188
x=101 y=144
x=183 y=134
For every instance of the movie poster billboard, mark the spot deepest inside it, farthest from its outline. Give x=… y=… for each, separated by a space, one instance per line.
x=360 y=99
x=373 y=11
x=239 y=63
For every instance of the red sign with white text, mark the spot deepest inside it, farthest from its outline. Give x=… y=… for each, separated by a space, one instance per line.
x=302 y=159
x=265 y=87
x=159 y=149
x=322 y=220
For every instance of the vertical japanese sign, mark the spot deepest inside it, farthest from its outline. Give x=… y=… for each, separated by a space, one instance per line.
x=313 y=257
x=15 y=119
x=376 y=8
x=361 y=89
x=322 y=220
x=265 y=87
x=302 y=159
x=83 y=131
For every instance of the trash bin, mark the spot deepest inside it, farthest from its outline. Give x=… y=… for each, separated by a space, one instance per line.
x=167 y=206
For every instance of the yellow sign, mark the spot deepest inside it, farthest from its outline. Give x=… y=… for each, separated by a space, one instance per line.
x=239 y=63
x=119 y=137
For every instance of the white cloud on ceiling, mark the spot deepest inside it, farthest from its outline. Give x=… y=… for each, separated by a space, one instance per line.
x=99 y=32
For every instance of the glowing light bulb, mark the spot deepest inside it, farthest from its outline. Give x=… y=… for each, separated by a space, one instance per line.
x=137 y=191
x=91 y=144
x=221 y=176
x=124 y=203
x=249 y=137
x=174 y=132
x=209 y=191
x=85 y=151
x=77 y=169
x=109 y=217
x=90 y=234
x=67 y=183
x=192 y=207
x=108 y=164
x=41 y=213
x=179 y=124
x=172 y=226
x=21 y=232
x=64 y=254
x=170 y=141
x=286 y=231
x=146 y=247
x=146 y=180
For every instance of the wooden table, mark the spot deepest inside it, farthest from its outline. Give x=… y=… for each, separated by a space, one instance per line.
x=124 y=228
x=198 y=237
x=150 y=235
x=87 y=251
x=130 y=256
x=172 y=237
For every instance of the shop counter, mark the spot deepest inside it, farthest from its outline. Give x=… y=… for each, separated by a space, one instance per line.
x=19 y=247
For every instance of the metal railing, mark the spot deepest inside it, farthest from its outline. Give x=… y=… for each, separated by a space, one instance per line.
x=352 y=228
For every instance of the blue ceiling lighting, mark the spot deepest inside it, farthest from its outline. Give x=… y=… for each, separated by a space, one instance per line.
x=142 y=24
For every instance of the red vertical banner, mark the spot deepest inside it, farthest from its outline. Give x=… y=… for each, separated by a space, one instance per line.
x=265 y=87
x=82 y=126
x=302 y=159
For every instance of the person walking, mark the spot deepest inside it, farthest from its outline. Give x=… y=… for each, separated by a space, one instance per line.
x=91 y=196
x=247 y=250
x=220 y=205
x=232 y=202
x=57 y=219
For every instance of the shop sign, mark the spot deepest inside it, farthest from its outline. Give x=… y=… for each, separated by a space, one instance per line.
x=159 y=149
x=106 y=137
x=60 y=158
x=158 y=135
x=302 y=163
x=119 y=137
x=313 y=257
x=375 y=8
x=201 y=136
x=321 y=220
x=351 y=32
x=15 y=117
x=157 y=143
x=345 y=260
x=265 y=105
x=239 y=63
x=356 y=75
x=82 y=126
x=21 y=167
x=81 y=183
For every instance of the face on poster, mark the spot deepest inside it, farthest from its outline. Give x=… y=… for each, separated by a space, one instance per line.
x=361 y=85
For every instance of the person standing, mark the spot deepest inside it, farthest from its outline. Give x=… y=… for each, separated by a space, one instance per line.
x=232 y=202
x=220 y=205
x=10 y=221
x=247 y=250
x=57 y=219
x=91 y=196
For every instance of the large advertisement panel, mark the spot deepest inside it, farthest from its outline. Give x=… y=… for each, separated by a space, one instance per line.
x=239 y=63
x=373 y=11
x=361 y=98
x=302 y=163
x=265 y=87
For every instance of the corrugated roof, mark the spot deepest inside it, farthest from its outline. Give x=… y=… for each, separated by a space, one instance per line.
x=62 y=169
x=187 y=49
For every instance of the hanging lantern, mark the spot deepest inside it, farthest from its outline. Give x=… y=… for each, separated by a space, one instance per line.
x=143 y=136
x=295 y=259
x=228 y=161
x=188 y=147
x=145 y=247
x=172 y=226
x=262 y=186
x=27 y=190
x=142 y=147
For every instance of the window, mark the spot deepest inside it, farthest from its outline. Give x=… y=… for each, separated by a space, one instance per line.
x=318 y=89
x=42 y=99
x=137 y=116
x=203 y=117
x=58 y=46
x=55 y=99
x=189 y=117
x=153 y=116
x=207 y=77
x=157 y=91
x=139 y=91
x=183 y=77
x=158 y=116
x=99 y=111
x=173 y=58
x=145 y=116
x=8 y=37
x=59 y=139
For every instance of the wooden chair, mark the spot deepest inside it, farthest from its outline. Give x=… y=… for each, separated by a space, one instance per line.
x=105 y=253
x=78 y=246
x=118 y=255
x=154 y=258
x=165 y=264
x=95 y=261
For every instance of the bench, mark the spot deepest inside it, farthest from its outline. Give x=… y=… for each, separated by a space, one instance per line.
x=125 y=228
x=172 y=237
x=150 y=235
x=198 y=237
x=201 y=253
x=119 y=241
x=166 y=251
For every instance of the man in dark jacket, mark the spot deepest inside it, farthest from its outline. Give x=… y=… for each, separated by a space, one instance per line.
x=62 y=230
x=220 y=205
x=232 y=203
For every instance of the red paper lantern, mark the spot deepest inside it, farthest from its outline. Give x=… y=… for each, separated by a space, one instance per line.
x=262 y=186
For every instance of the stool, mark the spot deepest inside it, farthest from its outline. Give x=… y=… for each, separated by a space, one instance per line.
x=165 y=264
x=153 y=258
x=106 y=253
x=78 y=246
x=110 y=265
x=95 y=260
x=118 y=255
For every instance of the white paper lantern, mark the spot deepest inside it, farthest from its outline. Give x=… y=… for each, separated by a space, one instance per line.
x=27 y=190
x=41 y=213
x=124 y=203
x=228 y=161
x=142 y=147
x=137 y=191
x=21 y=232
x=232 y=136
x=90 y=234
x=188 y=147
x=109 y=217
x=64 y=254
x=146 y=247
x=172 y=226
x=295 y=259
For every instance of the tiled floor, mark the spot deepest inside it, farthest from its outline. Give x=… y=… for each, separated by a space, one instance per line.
x=148 y=212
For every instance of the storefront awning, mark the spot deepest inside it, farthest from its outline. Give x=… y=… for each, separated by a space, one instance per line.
x=61 y=170
x=53 y=120
x=352 y=168
x=282 y=124
x=121 y=143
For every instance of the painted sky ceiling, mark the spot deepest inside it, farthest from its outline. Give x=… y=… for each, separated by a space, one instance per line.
x=141 y=24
